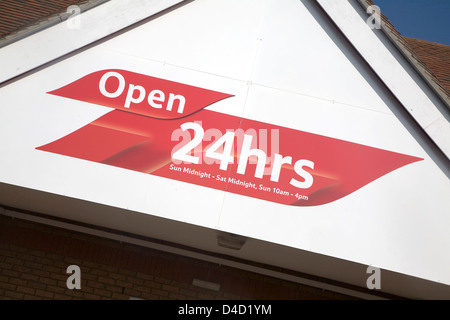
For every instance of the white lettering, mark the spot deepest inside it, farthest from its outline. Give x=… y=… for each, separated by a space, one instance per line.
x=181 y=102
x=136 y=94
x=130 y=95
x=298 y=167
x=156 y=95
x=246 y=152
x=277 y=163
x=120 y=88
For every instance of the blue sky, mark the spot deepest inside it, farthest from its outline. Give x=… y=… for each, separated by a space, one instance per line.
x=422 y=19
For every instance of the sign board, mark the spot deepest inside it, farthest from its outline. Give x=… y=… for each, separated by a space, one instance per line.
x=162 y=128
x=266 y=127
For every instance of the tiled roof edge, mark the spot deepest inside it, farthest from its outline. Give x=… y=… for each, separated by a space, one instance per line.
x=399 y=41
x=47 y=22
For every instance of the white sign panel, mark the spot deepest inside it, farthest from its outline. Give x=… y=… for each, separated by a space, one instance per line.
x=258 y=126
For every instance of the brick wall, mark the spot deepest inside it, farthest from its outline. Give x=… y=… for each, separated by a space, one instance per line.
x=34 y=260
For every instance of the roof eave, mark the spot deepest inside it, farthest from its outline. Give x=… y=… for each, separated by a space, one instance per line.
x=418 y=97
x=47 y=23
x=396 y=38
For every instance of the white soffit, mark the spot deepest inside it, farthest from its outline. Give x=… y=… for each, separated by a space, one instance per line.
x=390 y=71
x=54 y=42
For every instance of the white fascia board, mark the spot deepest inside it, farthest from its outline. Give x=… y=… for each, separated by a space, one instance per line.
x=65 y=37
x=387 y=66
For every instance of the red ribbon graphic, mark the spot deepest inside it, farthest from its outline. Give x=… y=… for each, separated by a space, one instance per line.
x=123 y=87
x=142 y=139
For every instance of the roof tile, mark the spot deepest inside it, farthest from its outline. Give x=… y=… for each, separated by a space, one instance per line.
x=16 y=15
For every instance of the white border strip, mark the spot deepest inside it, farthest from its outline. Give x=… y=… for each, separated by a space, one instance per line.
x=190 y=254
x=387 y=66
x=63 y=38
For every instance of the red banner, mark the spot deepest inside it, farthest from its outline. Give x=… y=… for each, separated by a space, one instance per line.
x=212 y=149
x=141 y=94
